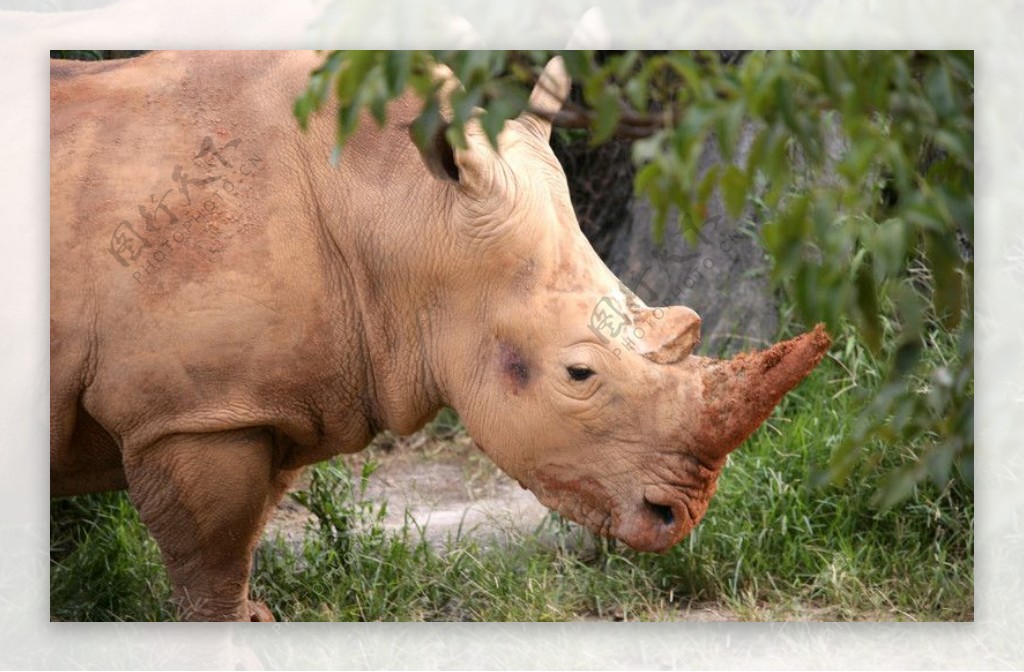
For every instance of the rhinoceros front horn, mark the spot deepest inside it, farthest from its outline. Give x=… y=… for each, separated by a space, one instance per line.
x=740 y=393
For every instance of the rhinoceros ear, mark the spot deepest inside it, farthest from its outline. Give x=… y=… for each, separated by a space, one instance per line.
x=437 y=153
x=473 y=167
x=673 y=333
x=442 y=159
x=439 y=156
x=548 y=96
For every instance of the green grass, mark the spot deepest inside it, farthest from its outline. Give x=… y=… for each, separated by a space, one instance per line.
x=104 y=566
x=773 y=545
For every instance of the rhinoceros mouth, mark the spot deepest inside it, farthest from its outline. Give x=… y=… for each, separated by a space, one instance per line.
x=649 y=522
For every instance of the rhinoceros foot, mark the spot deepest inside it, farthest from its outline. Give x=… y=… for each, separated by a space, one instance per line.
x=259 y=612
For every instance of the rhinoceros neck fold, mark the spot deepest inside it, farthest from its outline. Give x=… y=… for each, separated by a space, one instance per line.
x=740 y=393
x=383 y=272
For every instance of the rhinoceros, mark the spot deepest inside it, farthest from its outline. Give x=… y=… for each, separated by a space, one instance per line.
x=229 y=305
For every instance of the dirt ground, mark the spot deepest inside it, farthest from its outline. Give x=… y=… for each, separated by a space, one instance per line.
x=445 y=485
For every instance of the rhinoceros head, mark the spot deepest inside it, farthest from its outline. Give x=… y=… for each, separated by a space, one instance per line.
x=566 y=379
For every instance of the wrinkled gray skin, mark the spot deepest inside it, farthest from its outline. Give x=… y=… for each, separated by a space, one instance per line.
x=228 y=307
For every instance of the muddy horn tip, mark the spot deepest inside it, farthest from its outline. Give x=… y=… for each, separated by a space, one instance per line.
x=820 y=337
x=801 y=354
x=740 y=393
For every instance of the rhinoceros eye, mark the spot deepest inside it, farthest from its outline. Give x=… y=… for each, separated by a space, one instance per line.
x=579 y=373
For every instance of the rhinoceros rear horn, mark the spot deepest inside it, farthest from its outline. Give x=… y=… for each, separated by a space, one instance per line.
x=548 y=96
x=672 y=333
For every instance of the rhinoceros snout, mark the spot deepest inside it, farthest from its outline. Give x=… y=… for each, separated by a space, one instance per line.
x=664 y=516
x=661 y=527
x=665 y=513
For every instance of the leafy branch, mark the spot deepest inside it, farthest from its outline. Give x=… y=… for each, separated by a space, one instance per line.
x=858 y=166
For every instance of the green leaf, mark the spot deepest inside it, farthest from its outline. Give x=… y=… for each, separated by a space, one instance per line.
x=857 y=161
x=687 y=68
x=302 y=108
x=898 y=486
x=944 y=263
x=427 y=124
x=637 y=90
x=608 y=111
x=730 y=122
x=377 y=97
x=643 y=182
x=455 y=134
x=504 y=100
x=843 y=460
x=658 y=225
x=906 y=358
x=646 y=150
x=352 y=75
x=900 y=167
x=397 y=65
x=624 y=64
x=939 y=461
x=577 y=63
x=707 y=185
x=734 y=190
x=498 y=111
x=888 y=246
x=909 y=310
x=867 y=305
x=939 y=88
x=959 y=146
x=807 y=284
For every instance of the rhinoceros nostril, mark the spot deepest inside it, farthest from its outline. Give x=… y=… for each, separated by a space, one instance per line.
x=663 y=512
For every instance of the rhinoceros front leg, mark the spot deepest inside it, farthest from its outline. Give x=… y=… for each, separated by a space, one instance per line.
x=205 y=499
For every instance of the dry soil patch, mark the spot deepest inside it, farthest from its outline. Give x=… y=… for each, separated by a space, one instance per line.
x=445 y=487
